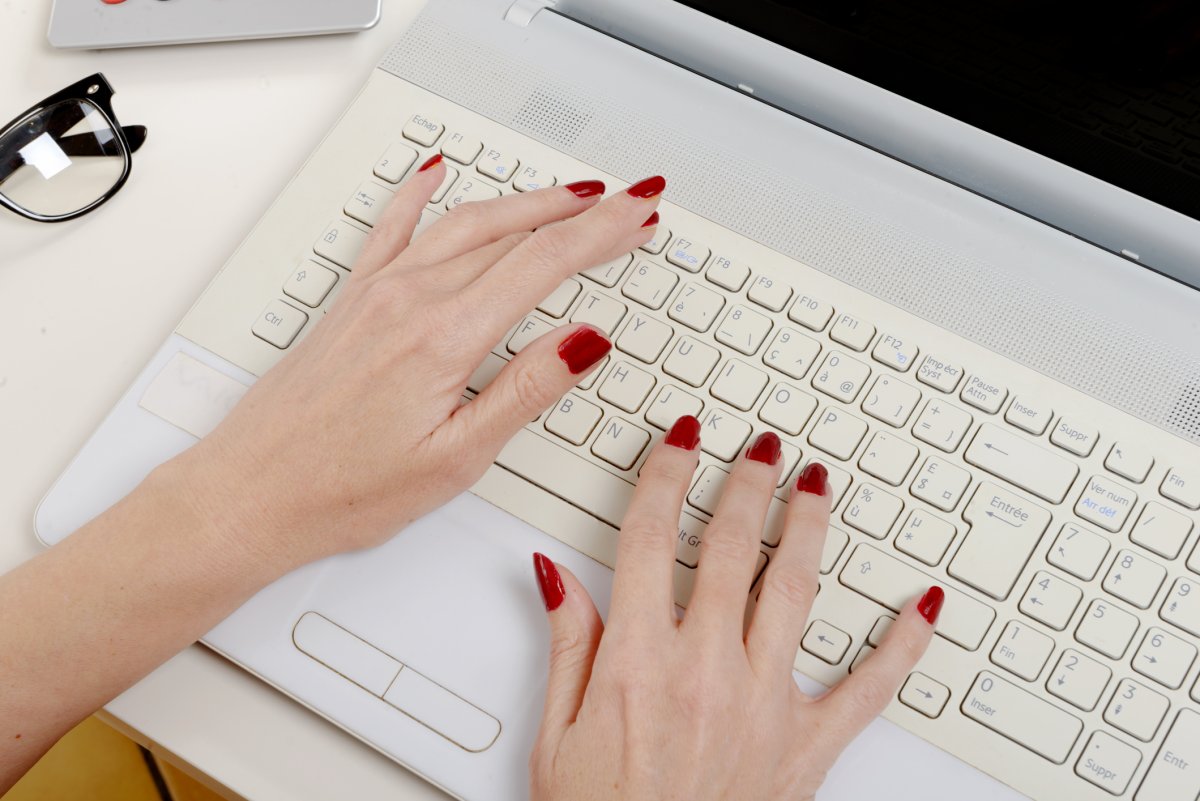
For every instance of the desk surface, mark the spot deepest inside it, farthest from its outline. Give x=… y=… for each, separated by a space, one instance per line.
x=83 y=306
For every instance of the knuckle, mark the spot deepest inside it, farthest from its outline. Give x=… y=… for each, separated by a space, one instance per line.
x=532 y=388
x=550 y=246
x=794 y=584
x=873 y=692
x=645 y=532
x=466 y=214
x=722 y=541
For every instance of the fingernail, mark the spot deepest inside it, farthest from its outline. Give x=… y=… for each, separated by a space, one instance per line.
x=814 y=479
x=653 y=221
x=766 y=449
x=586 y=188
x=685 y=433
x=583 y=349
x=433 y=162
x=651 y=187
x=930 y=605
x=549 y=582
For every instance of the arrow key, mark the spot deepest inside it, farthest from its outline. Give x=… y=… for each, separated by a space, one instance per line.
x=825 y=642
x=924 y=695
x=1164 y=658
x=1078 y=679
x=1051 y=600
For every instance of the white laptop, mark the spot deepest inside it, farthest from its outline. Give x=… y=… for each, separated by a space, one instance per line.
x=989 y=336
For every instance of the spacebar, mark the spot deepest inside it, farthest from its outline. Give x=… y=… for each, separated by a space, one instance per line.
x=572 y=478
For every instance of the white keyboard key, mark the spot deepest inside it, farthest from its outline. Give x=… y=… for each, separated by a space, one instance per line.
x=526 y=332
x=574 y=419
x=461 y=148
x=1181 y=607
x=1182 y=485
x=650 y=284
x=1106 y=628
x=1078 y=551
x=1029 y=415
x=1108 y=763
x=497 y=164
x=696 y=307
x=1137 y=710
x=812 y=313
x=942 y=425
x=825 y=642
x=1105 y=503
x=486 y=373
x=1135 y=578
x=368 y=202
x=530 y=179
x=1005 y=528
x=894 y=351
x=888 y=458
x=839 y=480
x=863 y=653
x=1164 y=658
x=1193 y=562
x=662 y=235
x=852 y=331
x=841 y=377
x=705 y=495
x=687 y=254
x=880 y=629
x=609 y=273
x=670 y=404
x=739 y=385
x=836 y=541
x=691 y=534
x=1021 y=650
x=983 y=393
x=620 y=443
x=891 y=400
x=925 y=537
x=471 y=190
x=1079 y=680
x=1129 y=461
x=1018 y=461
x=444 y=186
x=722 y=434
x=837 y=433
x=691 y=361
x=1022 y=717
x=559 y=301
x=788 y=409
x=600 y=311
x=341 y=243
x=744 y=330
x=310 y=284
x=395 y=162
x=789 y=457
x=1174 y=774
x=279 y=324
x=792 y=353
x=940 y=483
x=728 y=273
x=645 y=338
x=1051 y=600
x=940 y=374
x=925 y=695
x=892 y=583
x=422 y=130
x=626 y=387
x=428 y=218
x=873 y=511
x=1073 y=437
x=1161 y=530
x=769 y=292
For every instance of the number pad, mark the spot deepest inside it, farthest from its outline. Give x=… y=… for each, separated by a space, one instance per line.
x=1164 y=658
x=1135 y=578
x=1051 y=600
x=1136 y=710
x=1181 y=607
x=1078 y=551
x=841 y=377
x=1107 y=629
x=1079 y=680
x=1022 y=651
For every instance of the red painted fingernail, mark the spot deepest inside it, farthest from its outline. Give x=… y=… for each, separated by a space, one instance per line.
x=653 y=221
x=434 y=160
x=651 y=187
x=586 y=188
x=549 y=582
x=685 y=433
x=766 y=449
x=814 y=479
x=930 y=605
x=583 y=349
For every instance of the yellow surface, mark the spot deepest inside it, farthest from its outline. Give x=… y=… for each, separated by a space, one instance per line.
x=183 y=787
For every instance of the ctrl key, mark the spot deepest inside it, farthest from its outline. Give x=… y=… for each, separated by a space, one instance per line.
x=1108 y=763
x=279 y=324
x=1174 y=774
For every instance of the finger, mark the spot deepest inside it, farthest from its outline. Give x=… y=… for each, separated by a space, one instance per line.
x=643 y=585
x=575 y=631
x=729 y=552
x=453 y=275
x=792 y=577
x=472 y=225
x=395 y=227
x=862 y=696
x=554 y=253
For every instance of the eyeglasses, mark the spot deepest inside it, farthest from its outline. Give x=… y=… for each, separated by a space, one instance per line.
x=67 y=155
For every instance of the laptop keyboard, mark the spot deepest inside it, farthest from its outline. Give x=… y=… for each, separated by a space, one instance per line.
x=1073 y=612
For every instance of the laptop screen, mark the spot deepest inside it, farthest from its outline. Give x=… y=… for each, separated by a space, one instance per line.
x=1111 y=89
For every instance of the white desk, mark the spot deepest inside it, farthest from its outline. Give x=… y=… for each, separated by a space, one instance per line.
x=84 y=305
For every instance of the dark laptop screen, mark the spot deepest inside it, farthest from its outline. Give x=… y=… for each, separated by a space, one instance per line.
x=1111 y=89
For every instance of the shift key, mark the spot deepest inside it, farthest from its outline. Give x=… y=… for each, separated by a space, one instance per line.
x=1005 y=528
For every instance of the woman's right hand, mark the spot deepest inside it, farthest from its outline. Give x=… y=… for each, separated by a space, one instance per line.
x=653 y=707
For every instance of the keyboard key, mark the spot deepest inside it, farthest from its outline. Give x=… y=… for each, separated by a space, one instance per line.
x=940 y=483
x=839 y=480
x=895 y=351
x=1182 y=485
x=841 y=377
x=560 y=300
x=1174 y=775
x=1136 y=710
x=687 y=254
x=728 y=273
x=341 y=243
x=650 y=284
x=892 y=401
x=873 y=511
x=925 y=537
x=526 y=332
x=1107 y=629
x=530 y=179
x=1108 y=763
x=810 y=312
x=1079 y=680
x=940 y=374
x=1022 y=717
x=788 y=409
x=722 y=434
x=880 y=629
x=626 y=387
x=368 y=202
x=1078 y=551
x=279 y=324
x=670 y=404
x=609 y=273
x=310 y=284
x=1161 y=530
x=497 y=164
x=600 y=311
x=395 y=162
x=836 y=541
x=792 y=353
x=925 y=695
x=983 y=393
x=770 y=293
x=470 y=191
x=662 y=235
x=1105 y=503
x=1021 y=650
x=1022 y=463
x=1051 y=600
x=1164 y=658
x=863 y=653
x=825 y=642
x=744 y=330
x=1074 y=438
x=574 y=419
x=888 y=458
x=789 y=457
x=1029 y=415
x=942 y=425
x=620 y=443
x=691 y=361
x=1181 y=607
x=461 y=148
x=691 y=534
x=1005 y=528
x=486 y=373
x=696 y=307
x=422 y=130
x=1129 y=461
x=444 y=186
x=852 y=332
x=739 y=385
x=892 y=583
x=645 y=338
x=705 y=495
x=837 y=433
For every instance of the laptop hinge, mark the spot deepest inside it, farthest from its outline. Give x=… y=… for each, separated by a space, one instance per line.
x=522 y=12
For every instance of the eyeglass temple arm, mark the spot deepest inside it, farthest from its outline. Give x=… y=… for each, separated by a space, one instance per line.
x=78 y=145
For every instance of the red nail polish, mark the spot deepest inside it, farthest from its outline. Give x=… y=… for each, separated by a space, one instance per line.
x=651 y=187
x=549 y=582
x=814 y=479
x=653 y=221
x=930 y=605
x=586 y=189
x=766 y=449
x=583 y=349
x=685 y=433
x=434 y=160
